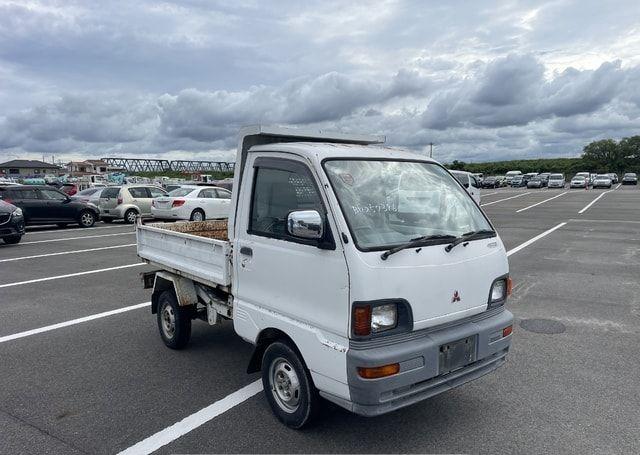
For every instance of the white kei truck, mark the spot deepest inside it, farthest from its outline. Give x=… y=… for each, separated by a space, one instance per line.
x=362 y=274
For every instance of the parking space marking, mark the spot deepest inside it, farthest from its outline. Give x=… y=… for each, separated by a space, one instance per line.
x=76 y=238
x=541 y=202
x=594 y=201
x=59 y=277
x=60 y=325
x=584 y=220
x=535 y=239
x=505 y=199
x=47 y=231
x=190 y=423
x=67 y=252
x=619 y=185
x=490 y=194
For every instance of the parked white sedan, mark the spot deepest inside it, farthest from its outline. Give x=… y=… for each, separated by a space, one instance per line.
x=195 y=203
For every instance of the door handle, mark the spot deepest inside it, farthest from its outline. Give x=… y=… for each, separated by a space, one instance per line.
x=246 y=251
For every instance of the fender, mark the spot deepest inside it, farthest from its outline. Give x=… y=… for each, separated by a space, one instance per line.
x=183 y=288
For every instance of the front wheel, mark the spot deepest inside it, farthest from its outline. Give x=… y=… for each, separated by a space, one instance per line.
x=174 y=321
x=12 y=240
x=87 y=219
x=287 y=383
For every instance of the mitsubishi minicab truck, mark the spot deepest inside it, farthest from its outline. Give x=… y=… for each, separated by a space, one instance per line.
x=362 y=274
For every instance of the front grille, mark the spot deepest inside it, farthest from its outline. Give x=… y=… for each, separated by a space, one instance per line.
x=4 y=217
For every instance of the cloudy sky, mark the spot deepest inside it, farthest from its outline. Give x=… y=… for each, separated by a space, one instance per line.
x=482 y=80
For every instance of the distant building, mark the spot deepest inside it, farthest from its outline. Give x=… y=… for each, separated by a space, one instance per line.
x=27 y=168
x=79 y=168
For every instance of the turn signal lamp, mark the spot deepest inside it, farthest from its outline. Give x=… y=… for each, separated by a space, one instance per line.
x=379 y=372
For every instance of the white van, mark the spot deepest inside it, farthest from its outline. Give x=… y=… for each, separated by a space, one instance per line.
x=470 y=182
x=511 y=174
x=362 y=274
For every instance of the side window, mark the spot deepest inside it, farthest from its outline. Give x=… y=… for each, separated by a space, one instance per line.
x=52 y=195
x=110 y=193
x=223 y=194
x=474 y=182
x=276 y=193
x=207 y=194
x=156 y=192
x=26 y=193
x=138 y=193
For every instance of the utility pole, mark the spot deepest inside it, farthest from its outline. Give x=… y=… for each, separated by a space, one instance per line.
x=430 y=149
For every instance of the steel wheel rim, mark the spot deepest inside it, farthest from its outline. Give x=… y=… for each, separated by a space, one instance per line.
x=197 y=216
x=285 y=385
x=86 y=219
x=168 y=319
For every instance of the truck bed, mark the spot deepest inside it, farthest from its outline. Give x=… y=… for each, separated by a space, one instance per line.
x=196 y=250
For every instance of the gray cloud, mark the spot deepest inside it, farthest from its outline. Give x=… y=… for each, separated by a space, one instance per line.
x=519 y=79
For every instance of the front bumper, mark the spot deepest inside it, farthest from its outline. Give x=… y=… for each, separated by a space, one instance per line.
x=12 y=228
x=418 y=354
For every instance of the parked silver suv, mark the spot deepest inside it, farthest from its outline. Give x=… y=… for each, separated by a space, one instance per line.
x=127 y=202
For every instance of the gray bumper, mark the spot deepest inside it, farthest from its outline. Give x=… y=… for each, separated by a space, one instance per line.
x=418 y=354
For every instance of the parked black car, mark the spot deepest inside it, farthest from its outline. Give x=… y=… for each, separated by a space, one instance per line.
x=490 y=182
x=630 y=178
x=42 y=204
x=11 y=223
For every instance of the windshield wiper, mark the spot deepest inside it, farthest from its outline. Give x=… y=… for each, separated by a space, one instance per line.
x=466 y=237
x=418 y=241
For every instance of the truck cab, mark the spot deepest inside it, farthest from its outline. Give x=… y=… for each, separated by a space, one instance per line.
x=363 y=274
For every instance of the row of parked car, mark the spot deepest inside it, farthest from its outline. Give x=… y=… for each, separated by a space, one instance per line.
x=556 y=180
x=41 y=204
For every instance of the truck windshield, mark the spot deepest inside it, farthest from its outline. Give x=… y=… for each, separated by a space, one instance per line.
x=387 y=203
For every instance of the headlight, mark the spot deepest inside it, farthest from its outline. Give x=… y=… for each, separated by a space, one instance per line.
x=17 y=213
x=499 y=290
x=384 y=317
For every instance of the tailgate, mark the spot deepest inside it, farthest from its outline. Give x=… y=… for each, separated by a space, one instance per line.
x=202 y=259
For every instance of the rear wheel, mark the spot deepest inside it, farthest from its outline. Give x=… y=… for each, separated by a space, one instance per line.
x=288 y=386
x=12 y=240
x=87 y=219
x=130 y=216
x=174 y=321
x=197 y=215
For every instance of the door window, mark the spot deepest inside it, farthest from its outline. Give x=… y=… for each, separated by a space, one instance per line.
x=276 y=193
x=138 y=193
x=223 y=194
x=156 y=192
x=26 y=193
x=209 y=193
x=52 y=195
x=110 y=193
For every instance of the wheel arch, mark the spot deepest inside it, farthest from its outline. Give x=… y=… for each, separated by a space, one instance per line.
x=263 y=340
x=182 y=288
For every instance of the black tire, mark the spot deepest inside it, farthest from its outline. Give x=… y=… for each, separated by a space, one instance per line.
x=200 y=212
x=61 y=225
x=130 y=216
x=174 y=321
x=280 y=363
x=12 y=240
x=87 y=219
x=107 y=220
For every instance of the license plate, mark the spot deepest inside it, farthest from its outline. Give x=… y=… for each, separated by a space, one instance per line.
x=457 y=354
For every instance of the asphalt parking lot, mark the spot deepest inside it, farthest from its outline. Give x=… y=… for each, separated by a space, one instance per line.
x=102 y=385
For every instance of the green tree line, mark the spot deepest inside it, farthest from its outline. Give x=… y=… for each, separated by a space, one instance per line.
x=606 y=155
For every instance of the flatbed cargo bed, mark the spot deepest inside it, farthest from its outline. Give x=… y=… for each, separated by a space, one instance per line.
x=196 y=250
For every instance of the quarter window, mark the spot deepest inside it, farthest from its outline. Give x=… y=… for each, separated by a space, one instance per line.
x=223 y=194
x=138 y=192
x=156 y=192
x=52 y=195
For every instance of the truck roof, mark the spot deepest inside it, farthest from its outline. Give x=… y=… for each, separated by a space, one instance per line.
x=323 y=150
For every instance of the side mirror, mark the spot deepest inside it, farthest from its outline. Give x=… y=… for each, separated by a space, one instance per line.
x=305 y=224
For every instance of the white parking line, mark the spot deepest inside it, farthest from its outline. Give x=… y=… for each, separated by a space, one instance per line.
x=67 y=252
x=505 y=199
x=60 y=325
x=47 y=231
x=535 y=239
x=594 y=201
x=619 y=185
x=489 y=194
x=88 y=272
x=76 y=238
x=190 y=423
x=541 y=202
